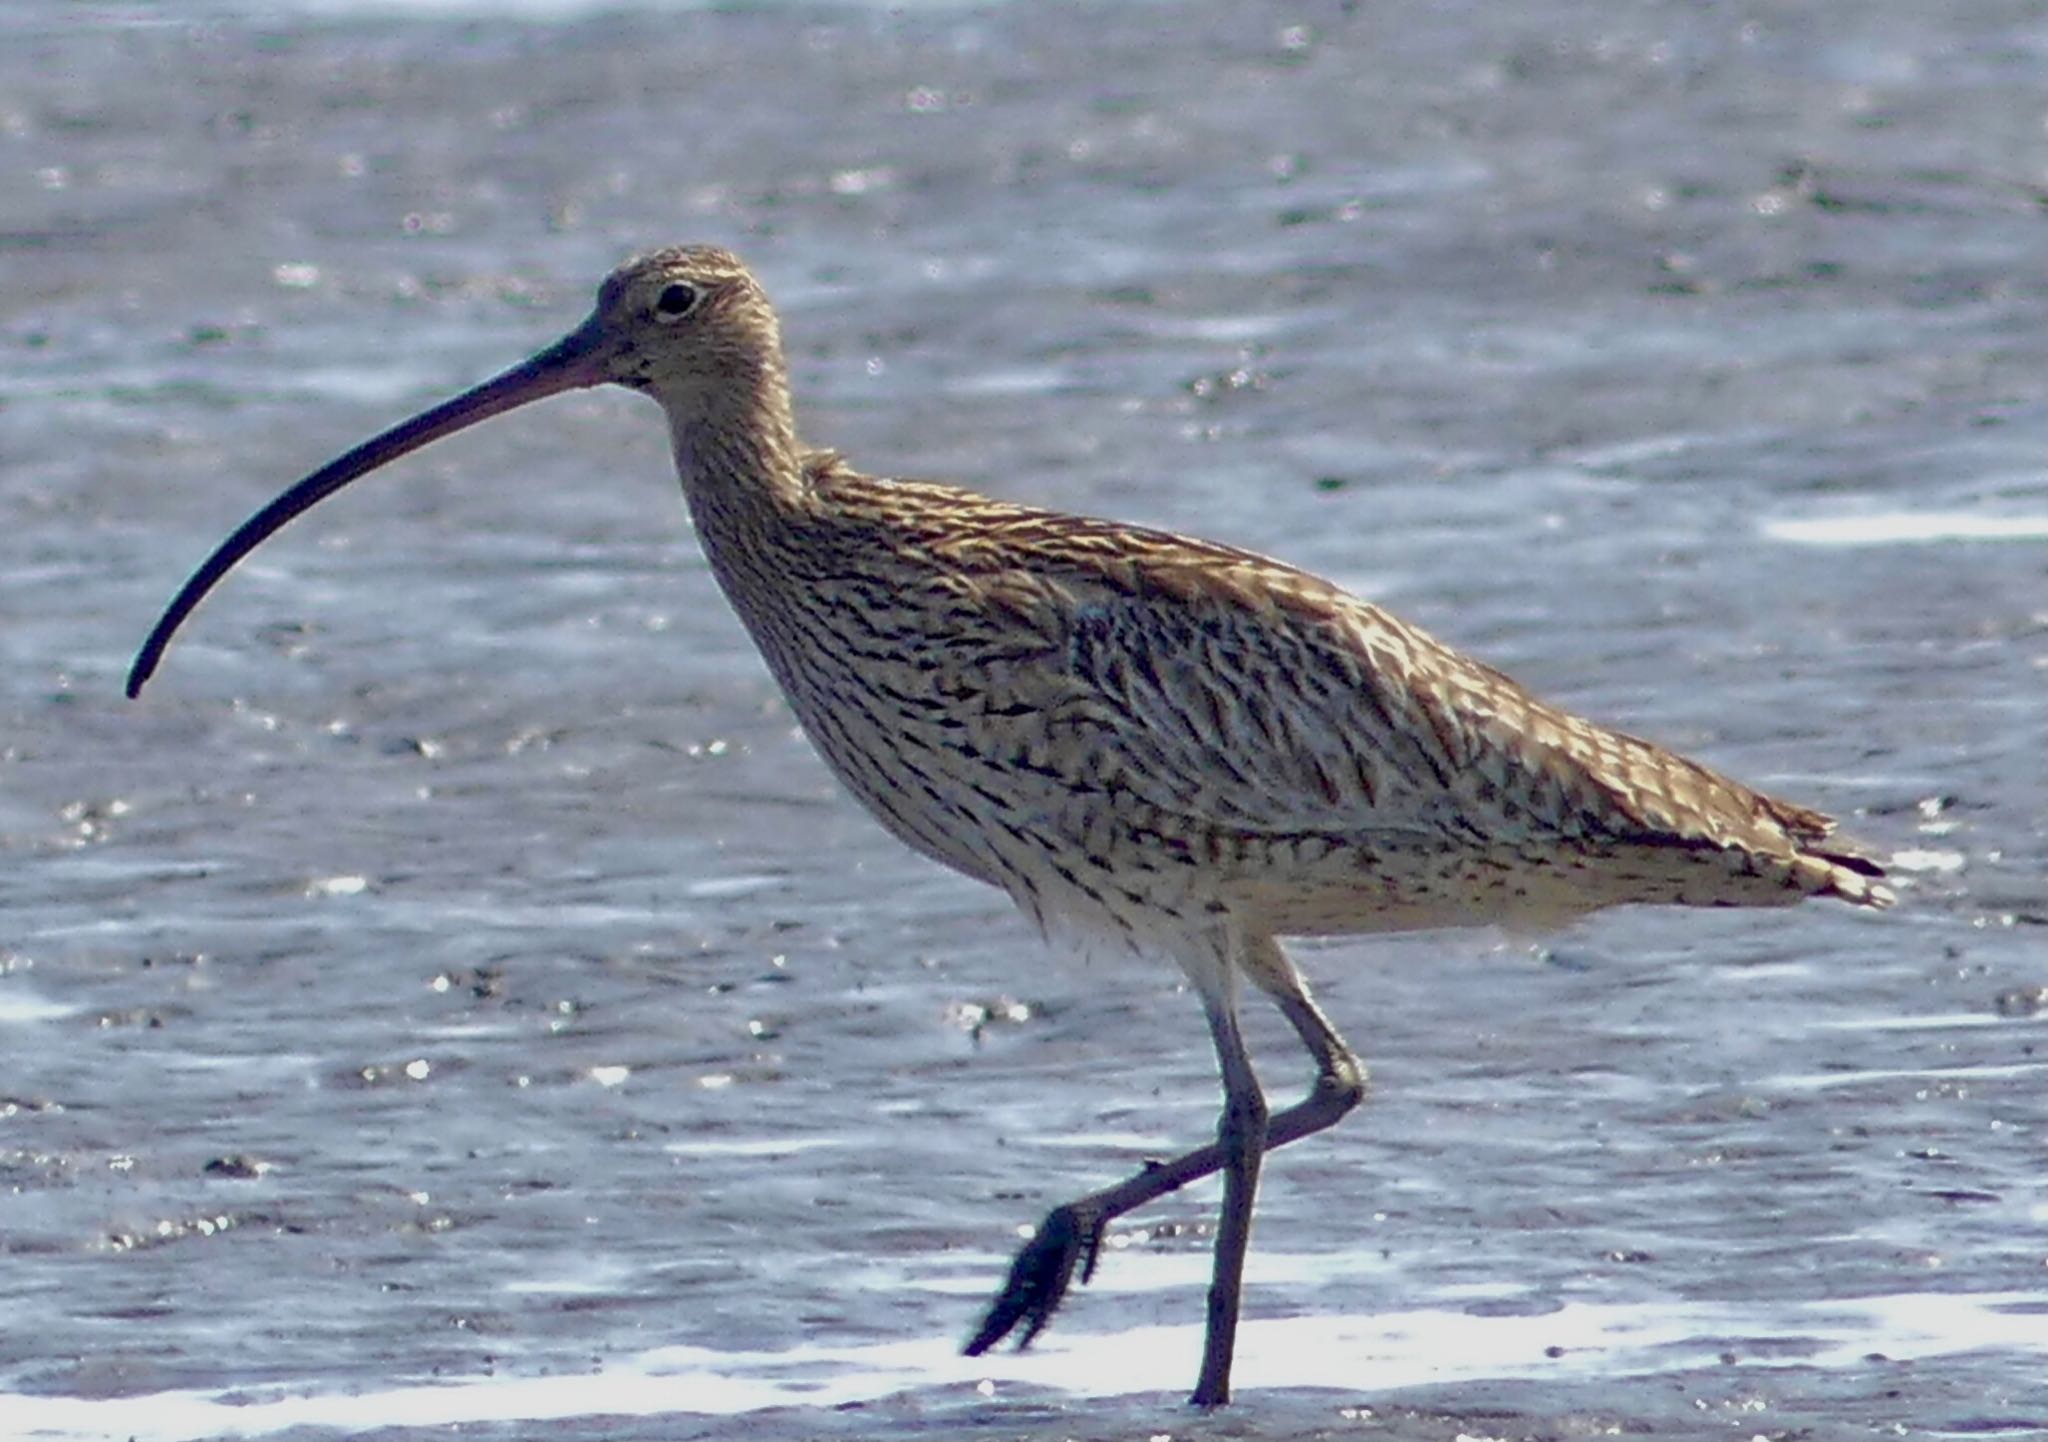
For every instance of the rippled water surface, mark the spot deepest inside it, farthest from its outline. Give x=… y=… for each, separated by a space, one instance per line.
x=455 y=996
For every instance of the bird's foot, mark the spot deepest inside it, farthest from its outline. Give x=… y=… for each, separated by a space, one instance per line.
x=1039 y=1278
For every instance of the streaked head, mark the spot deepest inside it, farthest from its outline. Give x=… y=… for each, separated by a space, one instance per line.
x=689 y=326
x=680 y=319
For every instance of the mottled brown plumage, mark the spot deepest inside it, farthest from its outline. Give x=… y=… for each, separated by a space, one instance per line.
x=1174 y=744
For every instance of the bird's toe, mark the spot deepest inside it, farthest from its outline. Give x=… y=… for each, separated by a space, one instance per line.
x=1039 y=1278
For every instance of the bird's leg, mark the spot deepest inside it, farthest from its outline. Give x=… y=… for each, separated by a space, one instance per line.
x=1071 y=1235
x=1241 y=1137
x=1341 y=1078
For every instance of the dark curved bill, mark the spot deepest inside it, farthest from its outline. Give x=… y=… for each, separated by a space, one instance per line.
x=568 y=364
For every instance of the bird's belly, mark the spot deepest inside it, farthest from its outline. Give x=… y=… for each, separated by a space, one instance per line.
x=1098 y=859
x=1068 y=854
x=1101 y=861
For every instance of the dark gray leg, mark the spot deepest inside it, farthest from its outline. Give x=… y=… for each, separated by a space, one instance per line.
x=1241 y=1137
x=1071 y=1235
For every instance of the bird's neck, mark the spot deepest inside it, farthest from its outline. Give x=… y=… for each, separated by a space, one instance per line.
x=742 y=472
x=737 y=453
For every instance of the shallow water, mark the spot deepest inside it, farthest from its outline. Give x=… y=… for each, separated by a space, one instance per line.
x=455 y=995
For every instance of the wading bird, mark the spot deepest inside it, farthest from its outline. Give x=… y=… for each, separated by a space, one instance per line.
x=1172 y=744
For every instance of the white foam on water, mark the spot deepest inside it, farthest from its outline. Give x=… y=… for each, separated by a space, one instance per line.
x=752 y=1146
x=1363 y=1353
x=1934 y=1021
x=20 y=1005
x=1933 y=1076
x=1894 y=528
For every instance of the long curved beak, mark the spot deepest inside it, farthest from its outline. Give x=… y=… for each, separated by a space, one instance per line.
x=569 y=364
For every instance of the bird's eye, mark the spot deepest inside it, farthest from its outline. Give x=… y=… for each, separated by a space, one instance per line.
x=675 y=301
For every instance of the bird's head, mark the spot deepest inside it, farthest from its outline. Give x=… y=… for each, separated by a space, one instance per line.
x=677 y=323
x=689 y=326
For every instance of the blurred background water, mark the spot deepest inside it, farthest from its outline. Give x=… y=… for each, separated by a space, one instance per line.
x=455 y=996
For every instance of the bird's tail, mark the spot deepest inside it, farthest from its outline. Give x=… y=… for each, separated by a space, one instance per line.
x=1830 y=866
